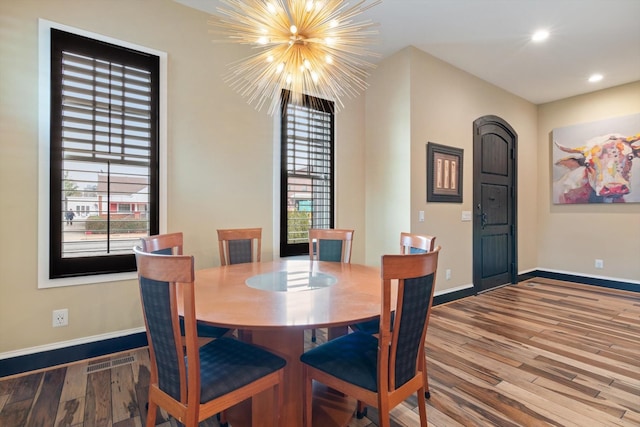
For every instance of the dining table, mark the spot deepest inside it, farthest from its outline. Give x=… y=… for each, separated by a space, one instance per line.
x=271 y=304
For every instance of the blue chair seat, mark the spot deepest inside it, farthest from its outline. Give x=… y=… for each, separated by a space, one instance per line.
x=227 y=364
x=352 y=357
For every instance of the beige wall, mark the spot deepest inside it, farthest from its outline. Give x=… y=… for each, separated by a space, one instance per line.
x=432 y=101
x=571 y=237
x=388 y=154
x=220 y=160
x=221 y=168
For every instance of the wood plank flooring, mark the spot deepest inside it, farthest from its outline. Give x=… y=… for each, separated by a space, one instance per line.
x=540 y=353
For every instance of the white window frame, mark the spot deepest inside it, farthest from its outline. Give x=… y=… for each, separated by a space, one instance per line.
x=44 y=102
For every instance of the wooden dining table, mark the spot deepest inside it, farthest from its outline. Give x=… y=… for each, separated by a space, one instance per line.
x=271 y=304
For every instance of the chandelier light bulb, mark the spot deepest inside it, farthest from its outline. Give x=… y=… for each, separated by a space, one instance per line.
x=296 y=42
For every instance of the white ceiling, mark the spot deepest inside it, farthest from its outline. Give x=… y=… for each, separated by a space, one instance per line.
x=491 y=40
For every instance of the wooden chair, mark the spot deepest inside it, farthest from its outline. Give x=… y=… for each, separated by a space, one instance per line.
x=409 y=244
x=329 y=244
x=239 y=245
x=171 y=244
x=382 y=371
x=220 y=374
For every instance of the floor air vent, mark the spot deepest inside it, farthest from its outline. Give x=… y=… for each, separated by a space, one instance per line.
x=108 y=364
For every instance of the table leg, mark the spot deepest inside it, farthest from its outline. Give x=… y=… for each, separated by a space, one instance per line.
x=289 y=344
x=330 y=409
x=337 y=331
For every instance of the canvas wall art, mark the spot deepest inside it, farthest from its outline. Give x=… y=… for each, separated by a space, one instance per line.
x=597 y=162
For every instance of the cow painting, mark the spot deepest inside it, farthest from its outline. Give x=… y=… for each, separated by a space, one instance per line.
x=598 y=171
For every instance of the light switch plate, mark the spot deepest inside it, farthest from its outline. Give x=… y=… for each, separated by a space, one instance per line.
x=421 y=216
x=466 y=215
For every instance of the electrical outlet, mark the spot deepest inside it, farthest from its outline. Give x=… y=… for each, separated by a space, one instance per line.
x=599 y=263
x=60 y=317
x=447 y=274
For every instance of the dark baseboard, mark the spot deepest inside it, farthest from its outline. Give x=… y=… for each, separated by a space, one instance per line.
x=31 y=362
x=605 y=283
x=47 y=359
x=452 y=296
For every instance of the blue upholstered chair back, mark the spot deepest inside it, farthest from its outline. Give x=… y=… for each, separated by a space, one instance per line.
x=415 y=304
x=157 y=277
x=329 y=250
x=157 y=311
x=240 y=251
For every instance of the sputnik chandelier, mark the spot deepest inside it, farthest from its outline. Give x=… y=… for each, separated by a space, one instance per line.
x=309 y=47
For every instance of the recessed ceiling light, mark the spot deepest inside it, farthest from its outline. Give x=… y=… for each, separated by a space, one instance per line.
x=595 y=78
x=540 y=35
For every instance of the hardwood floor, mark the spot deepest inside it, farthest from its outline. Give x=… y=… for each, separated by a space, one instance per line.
x=540 y=353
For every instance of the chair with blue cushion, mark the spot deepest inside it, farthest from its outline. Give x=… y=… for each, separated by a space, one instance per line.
x=239 y=245
x=172 y=244
x=190 y=382
x=329 y=244
x=382 y=371
x=409 y=244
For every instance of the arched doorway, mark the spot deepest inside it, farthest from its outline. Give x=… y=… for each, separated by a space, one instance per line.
x=495 y=260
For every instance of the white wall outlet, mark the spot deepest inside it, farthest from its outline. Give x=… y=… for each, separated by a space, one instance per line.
x=60 y=317
x=421 y=216
x=466 y=215
x=599 y=263
x=447 y=274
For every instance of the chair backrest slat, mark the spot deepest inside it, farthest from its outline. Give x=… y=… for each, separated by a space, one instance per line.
x=164 y=244
x=416 y=243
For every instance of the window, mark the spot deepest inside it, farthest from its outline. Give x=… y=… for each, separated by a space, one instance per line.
x=307 y=171
x=104 y=154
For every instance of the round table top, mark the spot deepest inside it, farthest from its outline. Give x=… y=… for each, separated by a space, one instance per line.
x=224 y=299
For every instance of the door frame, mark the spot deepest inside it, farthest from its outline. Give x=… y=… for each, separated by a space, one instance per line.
x=477 y=247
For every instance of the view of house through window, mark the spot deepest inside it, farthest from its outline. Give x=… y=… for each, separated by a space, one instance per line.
x=104 y=154
x=307 y=186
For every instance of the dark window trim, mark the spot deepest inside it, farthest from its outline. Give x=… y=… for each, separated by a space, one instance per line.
x=321 y=105
x=60 y=267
